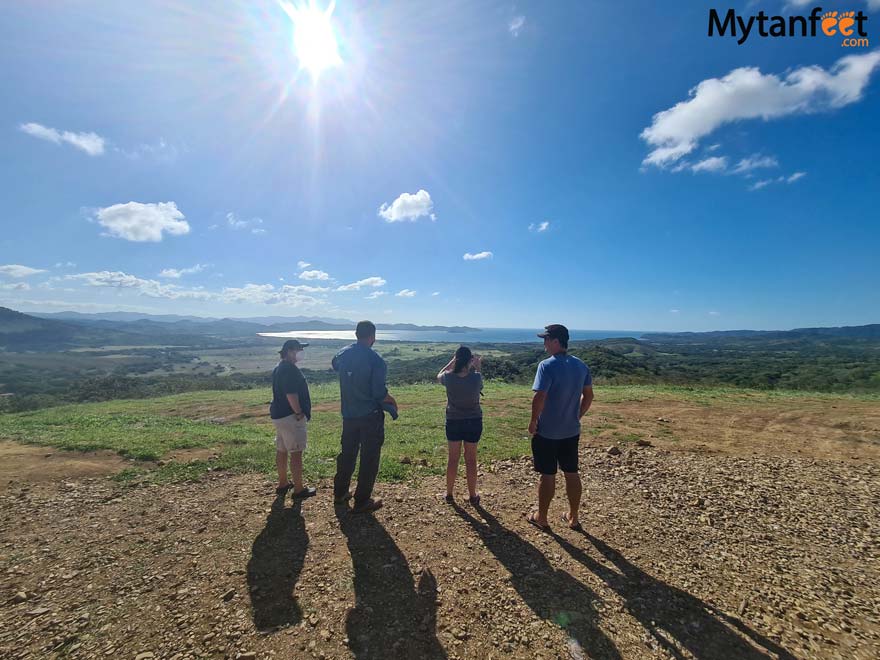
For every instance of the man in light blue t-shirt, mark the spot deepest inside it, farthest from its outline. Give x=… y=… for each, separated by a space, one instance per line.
x=563 y=394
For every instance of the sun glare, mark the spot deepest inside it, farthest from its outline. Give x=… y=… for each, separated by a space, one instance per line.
x=313 y=38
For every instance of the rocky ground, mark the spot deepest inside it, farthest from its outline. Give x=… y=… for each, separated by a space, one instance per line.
x=685 y=554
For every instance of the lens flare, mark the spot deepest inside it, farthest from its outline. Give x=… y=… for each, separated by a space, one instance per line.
x=313 y=38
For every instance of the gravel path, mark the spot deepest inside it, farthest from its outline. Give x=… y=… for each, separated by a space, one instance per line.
x=685 y=555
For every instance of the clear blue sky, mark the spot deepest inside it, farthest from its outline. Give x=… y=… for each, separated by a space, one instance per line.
x=175 y=157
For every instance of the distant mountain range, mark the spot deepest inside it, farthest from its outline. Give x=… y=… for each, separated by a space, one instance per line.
x=63 y=330
x=871 y=331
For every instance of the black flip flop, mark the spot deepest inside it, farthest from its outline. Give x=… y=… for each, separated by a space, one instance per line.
x=533 y=520
x=305 y=492
x=575 y=528
x=282 y=490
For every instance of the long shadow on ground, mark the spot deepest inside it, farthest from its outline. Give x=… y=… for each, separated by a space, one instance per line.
x=276 y=561
x=393 y=617
x=552 y=593
x=682 y=624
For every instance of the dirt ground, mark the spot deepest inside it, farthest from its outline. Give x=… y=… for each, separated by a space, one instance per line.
x=749 y=536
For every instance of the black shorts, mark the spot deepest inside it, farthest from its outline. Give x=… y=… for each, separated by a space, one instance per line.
x=468 y=430
x=547 y=454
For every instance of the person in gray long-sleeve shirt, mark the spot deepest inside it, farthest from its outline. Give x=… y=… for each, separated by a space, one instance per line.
x=364 y=394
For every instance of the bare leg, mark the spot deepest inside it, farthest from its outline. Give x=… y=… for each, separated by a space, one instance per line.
x=470 y=464
x=296 y=470
x=573 y=489
x=281 y=464
x=546 y=491
x=452 y=465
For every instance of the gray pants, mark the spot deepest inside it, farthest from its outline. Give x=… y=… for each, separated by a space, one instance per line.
x=365 y=434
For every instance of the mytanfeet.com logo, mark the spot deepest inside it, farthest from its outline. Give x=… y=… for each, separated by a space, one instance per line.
x=849 y=26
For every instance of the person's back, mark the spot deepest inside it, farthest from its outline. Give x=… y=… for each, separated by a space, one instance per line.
x=563 y=377
x=361 y=380
x=463 y=394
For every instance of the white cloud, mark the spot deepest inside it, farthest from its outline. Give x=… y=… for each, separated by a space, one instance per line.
x=872 y=4
x=236 y=223
x=713 y=313
x=176 y=274
x=376 y=294
x=302 y=264
x=65 y=264
x=91 y=143
x=18 y=271
x=476 y=257
x=151 y=288
x=436 y=293
x=516 y=25
x=374 y=282
x=314 y=275
x=763 y=183
x=540 y=227
x=409 y=208
x=713 y=147
x=746 y=93
x=780 y=179
x=711 y=164
x=674 y=311
x=405 y=293
x=15 y=286
x=754 y=162
x=142 y=222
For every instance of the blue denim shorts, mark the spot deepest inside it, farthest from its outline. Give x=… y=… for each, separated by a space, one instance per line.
x=468 y=430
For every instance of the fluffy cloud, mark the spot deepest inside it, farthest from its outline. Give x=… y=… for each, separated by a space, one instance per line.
x=314 y=275
x=478 y=256
x=405 y=293
x=540 y=227
x=711 y=164
x=797 y=175
x=142 y=222
x=436 y=293
x=176 y=274
x=746 y=93
x=150 y=288
x=376 y=294
x=409 y=208
x=91 y=143
x=302 y=264
x=374 y=282
x=15 y=286
x=18 y=271
x=754 y=162
x=516 y=25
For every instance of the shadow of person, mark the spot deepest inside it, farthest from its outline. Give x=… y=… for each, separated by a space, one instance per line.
x=551 y=593
x=277 y=557
x=393 y=617
x=682 y=624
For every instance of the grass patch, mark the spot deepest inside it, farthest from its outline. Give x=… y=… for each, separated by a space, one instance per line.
x=237 y=423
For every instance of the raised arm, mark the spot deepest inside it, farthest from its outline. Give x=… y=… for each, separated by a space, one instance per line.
x=446 y=369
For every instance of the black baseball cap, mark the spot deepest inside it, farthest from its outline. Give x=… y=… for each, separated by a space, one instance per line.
x=292 y=345
x=555 y=331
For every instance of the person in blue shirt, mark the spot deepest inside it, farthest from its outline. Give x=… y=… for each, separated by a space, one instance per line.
x=563 y=393
x=364 y=396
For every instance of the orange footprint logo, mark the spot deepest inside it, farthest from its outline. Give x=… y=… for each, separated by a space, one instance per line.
x=845 y=23
x=829 y=23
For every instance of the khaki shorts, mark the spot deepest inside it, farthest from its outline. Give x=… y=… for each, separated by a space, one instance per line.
x=290 y=434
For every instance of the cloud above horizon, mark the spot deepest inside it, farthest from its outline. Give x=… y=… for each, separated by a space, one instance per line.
x=540 y=227
x=405 y=293
x=177 y=273
x=142 y=223
x=374 y=282
x=18 y=271
x=746 y=93
x=409 y=207
x=478 y=256
x=90 y=143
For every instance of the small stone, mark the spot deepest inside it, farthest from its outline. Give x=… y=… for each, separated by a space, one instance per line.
x=641 y=442
x=39 y=611
x=247 y=655
x=613 y=451
x=19 y=597
x=146 y=655
x=228 y=595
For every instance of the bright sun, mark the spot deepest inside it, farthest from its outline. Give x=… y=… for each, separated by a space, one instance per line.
x=313 y=37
